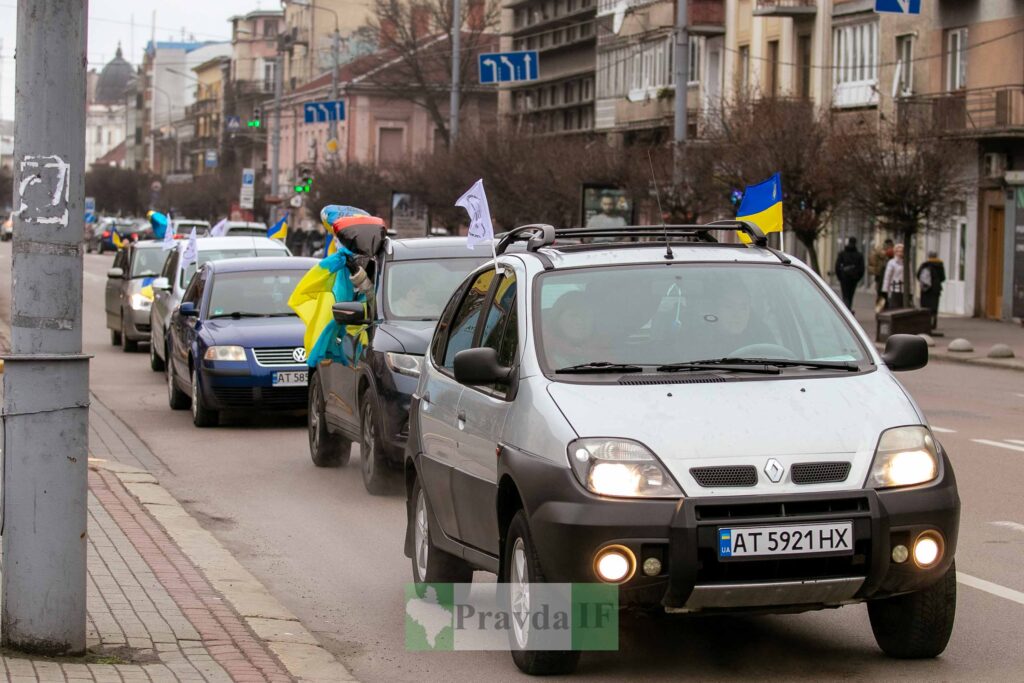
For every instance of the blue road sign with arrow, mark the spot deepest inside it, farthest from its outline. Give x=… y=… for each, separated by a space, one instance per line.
x=898 y=6
x=509 y=67
x=321 y=112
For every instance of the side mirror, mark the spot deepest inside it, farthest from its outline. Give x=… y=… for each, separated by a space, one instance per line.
x=349 y=313
x=115 y=273
x=479 y=366
x=905 y=352
x=188 y=309
x=161 y=284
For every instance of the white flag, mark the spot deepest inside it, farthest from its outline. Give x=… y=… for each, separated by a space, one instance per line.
x=219 y=229
x=190 y=255
x=168 y=241
x=475 y=202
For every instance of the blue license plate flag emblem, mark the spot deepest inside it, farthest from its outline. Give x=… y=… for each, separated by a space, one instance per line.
x=725 y=543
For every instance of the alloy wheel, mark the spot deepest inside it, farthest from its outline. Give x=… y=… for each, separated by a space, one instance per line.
x=368 y=446
x=314 y=420
x=421 y=536
x=195 y=394
x=519 y=589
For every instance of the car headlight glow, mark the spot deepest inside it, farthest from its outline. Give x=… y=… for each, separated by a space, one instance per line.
x=140 y=302
x=905 y=456
x=224 y=353
x=620 y=467
x=404 y=364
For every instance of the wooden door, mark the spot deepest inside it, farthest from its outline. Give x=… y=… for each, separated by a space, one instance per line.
x=994 y=263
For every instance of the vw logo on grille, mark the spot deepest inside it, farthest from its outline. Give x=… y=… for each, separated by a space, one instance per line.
x=774 y=469
x=299 y=354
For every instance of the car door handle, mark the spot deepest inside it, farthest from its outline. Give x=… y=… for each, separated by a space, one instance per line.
x=462 y=416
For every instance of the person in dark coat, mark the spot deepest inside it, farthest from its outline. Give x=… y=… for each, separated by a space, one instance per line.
x=849 y=269
x=931 y=275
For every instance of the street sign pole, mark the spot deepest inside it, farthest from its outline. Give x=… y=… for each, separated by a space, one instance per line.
x=335 y=49
x=46 y=377
x=682 y=66
x=453 y=104
x=275 y=138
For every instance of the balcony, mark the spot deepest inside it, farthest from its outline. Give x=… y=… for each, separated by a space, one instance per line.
x=996 y=112
x=785 y=8
x=707 y=17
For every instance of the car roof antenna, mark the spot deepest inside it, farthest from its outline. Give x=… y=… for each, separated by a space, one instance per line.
x=657 y=194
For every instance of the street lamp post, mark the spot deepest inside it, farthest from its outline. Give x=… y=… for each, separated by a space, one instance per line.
x=336 y=58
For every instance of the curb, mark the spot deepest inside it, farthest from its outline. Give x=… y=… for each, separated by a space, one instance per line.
x=297 y=649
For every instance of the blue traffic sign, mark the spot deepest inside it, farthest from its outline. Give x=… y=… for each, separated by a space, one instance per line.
x=248 y=177
x=233 y=123
x=508 y=67
x=321 y=112
x=211 y=158
x=898 y=6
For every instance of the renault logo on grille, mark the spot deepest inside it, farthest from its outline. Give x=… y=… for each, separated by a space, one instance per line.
x=299 y=354
x=774 y=469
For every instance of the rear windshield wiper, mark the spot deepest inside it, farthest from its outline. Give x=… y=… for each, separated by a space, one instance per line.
x=767 y=364
x=598 y=366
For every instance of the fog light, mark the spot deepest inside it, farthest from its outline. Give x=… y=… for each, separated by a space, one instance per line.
x=927 y=549
x=900 y=554
x=652 y=566
x=614 y=564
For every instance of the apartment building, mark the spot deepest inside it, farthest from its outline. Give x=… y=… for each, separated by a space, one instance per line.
x=206 y=116
x=310 y=25
x=250 y=85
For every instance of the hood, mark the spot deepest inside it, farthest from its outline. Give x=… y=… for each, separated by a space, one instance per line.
x=256 y=332
x=745 y=422
x=411 y=336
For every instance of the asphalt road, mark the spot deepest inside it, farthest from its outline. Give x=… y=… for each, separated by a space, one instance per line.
x=333 y=554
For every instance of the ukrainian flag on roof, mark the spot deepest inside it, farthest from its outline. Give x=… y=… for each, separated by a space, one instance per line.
x=762 y=206
x=279 y=230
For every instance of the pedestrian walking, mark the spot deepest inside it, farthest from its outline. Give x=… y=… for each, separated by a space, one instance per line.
x=849 y=269
x=930 y=276
x=877 y=261
x=892 y=282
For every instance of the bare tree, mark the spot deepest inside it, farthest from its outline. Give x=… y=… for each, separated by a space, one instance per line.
x=904 y=180
x=794 y=138
x=413 y=37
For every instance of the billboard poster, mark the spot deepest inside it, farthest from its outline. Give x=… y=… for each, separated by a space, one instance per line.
x=410 y=216
x=605 y=206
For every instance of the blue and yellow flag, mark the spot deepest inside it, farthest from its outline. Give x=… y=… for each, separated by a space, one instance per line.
x=279 y=230
x=147 y=288
x=312 y=299
x=762 y=206
x=116 y=239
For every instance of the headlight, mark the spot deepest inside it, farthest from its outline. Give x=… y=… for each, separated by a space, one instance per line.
x=141 y=303
x=620 y=467
x=905 y=456
x=404 y=364
x=224 y=353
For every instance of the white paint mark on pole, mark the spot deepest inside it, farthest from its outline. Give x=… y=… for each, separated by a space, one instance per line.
x=1009 y=525
x=943 y=430
x=991 y=588
x=999 y=444
x=44 y=190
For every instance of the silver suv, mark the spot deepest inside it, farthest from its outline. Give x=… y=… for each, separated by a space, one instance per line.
x=702 y=424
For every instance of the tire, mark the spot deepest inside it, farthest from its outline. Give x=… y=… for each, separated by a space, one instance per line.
x=522 y=565
x=201 y=415
x=115 y=337
x=127 y=345
x=156 y=364
x=916 y=625
x=377 y=475
x=430 y=564
x=326 y=449
x=176 y=398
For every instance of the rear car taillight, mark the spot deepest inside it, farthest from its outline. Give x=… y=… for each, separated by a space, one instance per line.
x=106 y=234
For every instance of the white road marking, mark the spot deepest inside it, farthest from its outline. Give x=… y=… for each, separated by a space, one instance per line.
x=989 y=587
x=943 y=430
x=1019 y=442
x=999 y=444
x=1019 y=395
x=1009 y=525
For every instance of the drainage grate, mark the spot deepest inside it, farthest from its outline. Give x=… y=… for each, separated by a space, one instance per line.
x=726 y=475
x=677 y=378
x=820 y=472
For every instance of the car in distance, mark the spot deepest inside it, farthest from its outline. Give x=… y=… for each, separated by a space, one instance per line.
x=705 y=426
x=101 y=239
x=182 y=227
x=129 y=292
x=234 y=344
x=254 y=228
x=366 y=400
x=175 y=276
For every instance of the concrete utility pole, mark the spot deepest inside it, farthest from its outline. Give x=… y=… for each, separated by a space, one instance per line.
x=46 y=377
x=681 y=77
x=335 y=49
x=275 y=138
x=453 y=105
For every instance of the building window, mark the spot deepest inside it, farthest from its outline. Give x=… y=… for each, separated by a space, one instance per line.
x=803 y=58
x=390 y=146
x=905 y=65
x=744 y=71
x=956 y=59
x=773 y=68
x=693 y=67
x=269 y=28
x=855 y=58
x=269 y=73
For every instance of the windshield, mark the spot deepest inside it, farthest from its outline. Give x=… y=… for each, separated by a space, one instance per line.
x=147 y=262
x=418 y=290
x=253 y=293
x=185 y=228
x=253 y=230
x=653 y=315
x=207 y=255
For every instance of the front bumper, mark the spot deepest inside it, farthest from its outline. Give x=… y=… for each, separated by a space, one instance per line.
x=137 y=324
x=569 y=526
x=236 y=385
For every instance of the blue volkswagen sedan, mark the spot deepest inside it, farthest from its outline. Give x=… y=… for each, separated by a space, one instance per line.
x=234 y=345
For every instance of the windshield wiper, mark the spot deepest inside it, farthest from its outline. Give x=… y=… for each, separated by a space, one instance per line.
x=768 y=365
x=238 y=314
x=598 y=366
x=289 y=314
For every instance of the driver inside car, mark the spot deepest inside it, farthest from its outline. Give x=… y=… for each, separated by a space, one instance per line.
x=733 y=323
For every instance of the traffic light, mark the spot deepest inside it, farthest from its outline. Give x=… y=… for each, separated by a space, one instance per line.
x=257 y=114
x=304 y=180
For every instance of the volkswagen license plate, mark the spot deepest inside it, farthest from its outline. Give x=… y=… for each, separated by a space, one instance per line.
x=290 y=378
x=831 y=538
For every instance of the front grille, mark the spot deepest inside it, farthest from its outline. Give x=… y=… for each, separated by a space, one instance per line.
x=711 y=570
x=728 y=512
x=234 y=396
x=276 y=357
x=142 y=327
x=728 y=475
x=676 y=378
x=820 y=472
x=278 y=397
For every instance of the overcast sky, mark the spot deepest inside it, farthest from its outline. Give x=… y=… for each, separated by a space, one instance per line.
x=110 y=22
